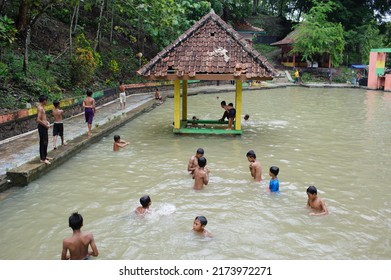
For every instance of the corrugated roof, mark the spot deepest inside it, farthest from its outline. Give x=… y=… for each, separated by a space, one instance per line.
x=210 y=46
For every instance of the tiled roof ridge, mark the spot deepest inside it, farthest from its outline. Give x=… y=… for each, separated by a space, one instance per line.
x=224 y=26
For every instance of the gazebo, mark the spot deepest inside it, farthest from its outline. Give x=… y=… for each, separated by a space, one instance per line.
x=210 y=50
x=322 y=60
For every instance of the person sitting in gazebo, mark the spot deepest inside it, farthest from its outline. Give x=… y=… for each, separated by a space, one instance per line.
x=231 y=114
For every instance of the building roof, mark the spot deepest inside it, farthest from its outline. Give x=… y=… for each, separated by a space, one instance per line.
x=210 y=50
x=245 y=26
x=288 y=40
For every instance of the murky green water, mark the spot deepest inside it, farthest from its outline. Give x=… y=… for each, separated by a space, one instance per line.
x=336 y=139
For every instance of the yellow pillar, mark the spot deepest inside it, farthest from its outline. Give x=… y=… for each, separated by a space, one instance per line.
x=184 y=100
x=177 y=104
x=238 y=104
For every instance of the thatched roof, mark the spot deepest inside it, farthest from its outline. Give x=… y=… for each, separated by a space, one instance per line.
x=210 y=50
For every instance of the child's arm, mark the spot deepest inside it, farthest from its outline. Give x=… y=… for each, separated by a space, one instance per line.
x=64 y=252
x=189 y=166
x=205 y=178
x=94 y=251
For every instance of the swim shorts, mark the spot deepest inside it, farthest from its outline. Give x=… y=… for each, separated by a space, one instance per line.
x=58 y=129
x=122 y=97
x=89 y=114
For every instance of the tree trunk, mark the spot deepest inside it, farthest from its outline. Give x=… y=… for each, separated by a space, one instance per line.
x=77 y=16
x=2 y=6
x=72 y=28
x=97 y=39
x=23 y=15
x=255 y=7
x=112 y=20
x=26 y=49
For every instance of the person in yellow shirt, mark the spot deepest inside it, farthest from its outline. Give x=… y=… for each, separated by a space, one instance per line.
x=297 y=75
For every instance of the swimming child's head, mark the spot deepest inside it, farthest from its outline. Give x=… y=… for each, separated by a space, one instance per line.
x=200 y=151
x=199 y=223
x=274 y=170
x=195 y=118
x=56 y=103
x=75 y=221
x=201 y=162
x=145 y=201
x=117 y=138
x=251 y=154
x=312 y=190
x=246 y=117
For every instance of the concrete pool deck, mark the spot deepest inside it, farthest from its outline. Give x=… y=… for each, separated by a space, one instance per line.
x=19 y=162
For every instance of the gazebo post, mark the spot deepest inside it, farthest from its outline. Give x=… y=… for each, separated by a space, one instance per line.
x=184 y=100
x=177 y=104
x=238 y=104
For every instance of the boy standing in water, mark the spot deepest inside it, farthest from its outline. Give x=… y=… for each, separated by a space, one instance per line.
x=314 y=202
x=255 y=166
x=78 y=244
x=145 y=202
x=58 y=126
x=43 y=127
x=193 y=162
x=201 y=174
x=118 y=143
x=199 y=226
x=89 y=110
x=274 y=184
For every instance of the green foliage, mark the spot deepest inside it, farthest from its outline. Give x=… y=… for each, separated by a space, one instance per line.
x=7 y=31
x=361 y=40
x=316 y=35
x=268 y=51
x=84 y=62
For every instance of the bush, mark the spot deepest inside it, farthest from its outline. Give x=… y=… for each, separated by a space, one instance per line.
x=84 y=62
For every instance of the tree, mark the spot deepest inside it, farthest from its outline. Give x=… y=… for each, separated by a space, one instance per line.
x=29 y=13
x=316 y=35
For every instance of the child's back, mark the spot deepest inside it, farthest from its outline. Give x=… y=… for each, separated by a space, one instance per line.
x=200 y=175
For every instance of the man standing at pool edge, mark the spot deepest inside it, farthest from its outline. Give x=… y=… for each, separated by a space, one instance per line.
x=43 y=127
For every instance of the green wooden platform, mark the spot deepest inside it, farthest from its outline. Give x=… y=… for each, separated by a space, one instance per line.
x=206 y=127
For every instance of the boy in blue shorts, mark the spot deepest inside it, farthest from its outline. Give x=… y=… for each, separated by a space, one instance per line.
x=274 y=185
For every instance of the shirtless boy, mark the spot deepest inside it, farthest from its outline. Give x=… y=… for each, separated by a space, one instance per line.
x=255 y=166
x=201 y=174
x=193 y=162
x=78 y=244
x=145 y=202
x=122 y=96
x=89 y=110
x=315 y=203
x=43 y=127
x=199 y=226
x=118 y=143
x=158 y=95
x=58 y=126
